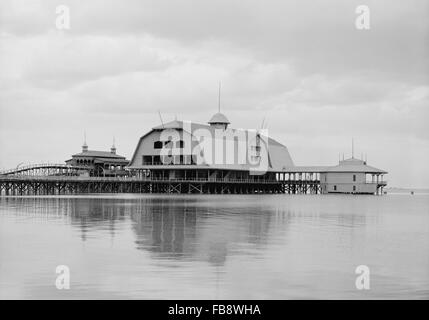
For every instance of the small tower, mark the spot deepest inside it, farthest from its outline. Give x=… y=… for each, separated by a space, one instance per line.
x=113 y=148
x=84 y=146
x=219 y=120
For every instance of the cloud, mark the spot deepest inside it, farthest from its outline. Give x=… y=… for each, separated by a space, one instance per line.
x=301 y=64
x=55 y=61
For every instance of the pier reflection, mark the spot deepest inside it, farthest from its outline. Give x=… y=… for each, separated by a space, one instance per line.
x=184 y=228
x=194 y=228
x=213 y=246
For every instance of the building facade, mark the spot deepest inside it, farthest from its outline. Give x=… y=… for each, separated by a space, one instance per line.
x=181 y=150
x=99 y=163
x=352 y=176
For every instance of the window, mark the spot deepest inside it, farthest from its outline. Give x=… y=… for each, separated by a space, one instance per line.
x=169 y=144
x=354 y=177
x=335 y=188
x=354 y=188
x=147 y=160
x=157 y=145
x=180 y=144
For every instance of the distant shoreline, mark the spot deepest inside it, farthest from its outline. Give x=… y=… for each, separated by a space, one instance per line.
x=406 y=190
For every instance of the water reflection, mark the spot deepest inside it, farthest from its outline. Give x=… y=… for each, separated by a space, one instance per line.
x=186 y=231
x=209 y=246
x=169 y=228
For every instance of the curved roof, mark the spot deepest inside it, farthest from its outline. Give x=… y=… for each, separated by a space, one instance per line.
x=278 y=154
x=219 y=118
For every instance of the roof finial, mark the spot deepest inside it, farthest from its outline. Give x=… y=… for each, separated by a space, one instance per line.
x=162 y=122
x=262 y=124
x=219 y=97
x=84 y=146
x=113 y=148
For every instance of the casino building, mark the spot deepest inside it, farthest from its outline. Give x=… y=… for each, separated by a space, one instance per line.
x=212 y=152
x=100 y=163
x=187 y=157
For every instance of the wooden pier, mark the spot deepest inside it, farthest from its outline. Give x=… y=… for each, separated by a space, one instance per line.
x=69 y=185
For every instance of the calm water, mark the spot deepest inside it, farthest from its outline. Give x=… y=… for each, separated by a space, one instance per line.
x=215 y=247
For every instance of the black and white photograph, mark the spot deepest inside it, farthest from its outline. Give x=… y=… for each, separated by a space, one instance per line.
x=214 y=150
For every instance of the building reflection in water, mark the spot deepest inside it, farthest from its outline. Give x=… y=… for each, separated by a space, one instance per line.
x=184 y=228
x=167 y=227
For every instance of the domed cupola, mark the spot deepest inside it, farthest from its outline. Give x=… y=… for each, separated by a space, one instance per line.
x=219 y=120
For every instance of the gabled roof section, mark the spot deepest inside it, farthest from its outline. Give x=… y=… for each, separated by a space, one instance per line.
x=175 y=124
x=354 y=165
x=279 y=156
x=98 y=154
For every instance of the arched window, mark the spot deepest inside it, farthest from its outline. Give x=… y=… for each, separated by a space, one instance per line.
x=157 y=145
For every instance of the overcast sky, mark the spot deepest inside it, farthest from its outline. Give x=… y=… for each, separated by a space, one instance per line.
x=302 y=65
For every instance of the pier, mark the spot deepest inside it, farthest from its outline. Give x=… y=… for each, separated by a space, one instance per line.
x=69 y=185
x=57 y=179
x=193 y=158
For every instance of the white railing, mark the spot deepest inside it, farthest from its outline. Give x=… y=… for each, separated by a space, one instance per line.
x=135 y=179
x=39 y=166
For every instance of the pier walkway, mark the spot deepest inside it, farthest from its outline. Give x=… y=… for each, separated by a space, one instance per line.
x=57 y=185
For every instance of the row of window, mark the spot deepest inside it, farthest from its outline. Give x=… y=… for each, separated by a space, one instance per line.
x=181 y=144
x=162 y=160
x=354 y=178
x=160 y=144
x=81 y=161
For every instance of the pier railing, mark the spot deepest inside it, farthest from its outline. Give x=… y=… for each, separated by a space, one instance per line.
x=30 y=167
x=134 y=179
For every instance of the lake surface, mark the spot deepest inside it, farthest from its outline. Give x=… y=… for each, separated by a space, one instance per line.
x=215 y=246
